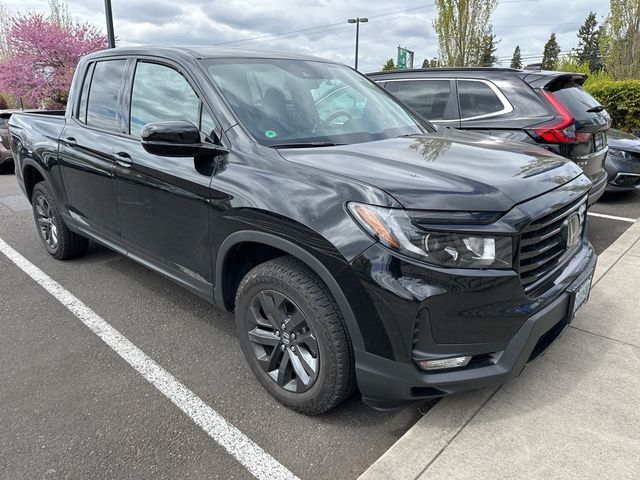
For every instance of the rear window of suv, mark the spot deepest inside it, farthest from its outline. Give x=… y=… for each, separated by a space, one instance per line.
x=576 y=100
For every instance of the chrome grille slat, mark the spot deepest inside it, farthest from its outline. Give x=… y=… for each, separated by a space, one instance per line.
x=542 y=245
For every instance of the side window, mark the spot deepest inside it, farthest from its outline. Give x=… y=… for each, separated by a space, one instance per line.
x=81 y=114
x=160 y=94
x=427 y=97
x=208 y=126
x=102 y=103
x=477 y=98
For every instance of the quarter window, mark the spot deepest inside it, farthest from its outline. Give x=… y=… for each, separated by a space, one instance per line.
x=427 y=97
x=477 y=98
x=102 y=103
x=161 y=94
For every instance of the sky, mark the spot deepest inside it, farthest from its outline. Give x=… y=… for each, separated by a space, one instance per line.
x=320 y=28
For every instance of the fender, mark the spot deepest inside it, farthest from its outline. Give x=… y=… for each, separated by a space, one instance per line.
x=302 y=255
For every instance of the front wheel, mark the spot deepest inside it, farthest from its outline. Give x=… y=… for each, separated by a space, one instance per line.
x=293 y=336
x=60 y=242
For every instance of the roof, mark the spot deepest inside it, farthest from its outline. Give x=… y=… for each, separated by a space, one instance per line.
x=447 y=69
x=202 y=52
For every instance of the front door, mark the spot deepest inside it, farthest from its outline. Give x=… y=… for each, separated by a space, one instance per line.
x=164 y=201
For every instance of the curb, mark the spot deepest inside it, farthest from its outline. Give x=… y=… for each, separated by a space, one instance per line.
x=423 y=443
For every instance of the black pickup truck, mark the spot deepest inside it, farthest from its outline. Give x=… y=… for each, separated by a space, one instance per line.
x=357 y=246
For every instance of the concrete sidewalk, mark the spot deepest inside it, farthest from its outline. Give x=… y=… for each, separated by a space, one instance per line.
x=572 y=414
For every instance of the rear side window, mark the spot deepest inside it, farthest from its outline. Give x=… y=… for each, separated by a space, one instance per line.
x=427 y=97
x=102 y=102
x=160 y=94
x=478 y=99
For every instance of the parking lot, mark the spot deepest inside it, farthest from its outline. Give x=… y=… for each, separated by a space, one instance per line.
x=73 y=408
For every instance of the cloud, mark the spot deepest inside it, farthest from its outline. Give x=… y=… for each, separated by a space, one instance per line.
x=320 y=26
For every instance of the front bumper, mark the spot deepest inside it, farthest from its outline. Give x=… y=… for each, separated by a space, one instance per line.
x=434 y=314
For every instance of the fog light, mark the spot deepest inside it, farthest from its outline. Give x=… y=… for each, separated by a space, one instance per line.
x=444 y=363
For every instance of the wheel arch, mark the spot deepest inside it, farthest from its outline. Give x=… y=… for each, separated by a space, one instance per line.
x=32 y=173
x=287 y=247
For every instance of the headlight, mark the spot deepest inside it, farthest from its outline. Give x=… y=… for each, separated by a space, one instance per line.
x=394 y=229
x=620 y=153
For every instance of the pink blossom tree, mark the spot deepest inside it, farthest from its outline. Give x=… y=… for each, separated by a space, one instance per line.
x=42 y=55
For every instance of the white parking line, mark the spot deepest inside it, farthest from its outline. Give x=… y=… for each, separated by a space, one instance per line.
x=259 y=463
x=612 y=217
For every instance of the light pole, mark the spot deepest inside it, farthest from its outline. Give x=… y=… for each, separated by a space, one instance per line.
x=109 y=14
x=357 y=21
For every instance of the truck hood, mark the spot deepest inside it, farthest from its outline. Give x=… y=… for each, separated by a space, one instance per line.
x=446 y=170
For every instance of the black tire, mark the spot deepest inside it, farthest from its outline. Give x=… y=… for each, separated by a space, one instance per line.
x=60 y=242
x=305 y=300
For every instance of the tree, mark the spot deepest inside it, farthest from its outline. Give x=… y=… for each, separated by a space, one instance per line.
x=589 y=44
x=620 y=40
x=551 y=53
x=516 y=60
x=462 y=27
x=486 y=51
x=389 y=65
x=42 y=57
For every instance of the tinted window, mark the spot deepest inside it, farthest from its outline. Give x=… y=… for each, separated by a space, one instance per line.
x=161 y=94
x=82 y=107
x=103 y=94
x=427 y=97
x=577 y=101
x=477 y=98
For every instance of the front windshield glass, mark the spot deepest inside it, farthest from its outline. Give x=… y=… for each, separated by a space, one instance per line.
x=306 y=103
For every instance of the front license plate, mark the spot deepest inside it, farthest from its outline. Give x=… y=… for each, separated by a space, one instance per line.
x=581 y=296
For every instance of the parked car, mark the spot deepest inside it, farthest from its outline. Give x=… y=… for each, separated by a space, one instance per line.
x=6 y=159
x=544 y=108
x=623 y=161
x=355 y=244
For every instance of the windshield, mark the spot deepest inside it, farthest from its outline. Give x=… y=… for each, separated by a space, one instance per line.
x=306 y=103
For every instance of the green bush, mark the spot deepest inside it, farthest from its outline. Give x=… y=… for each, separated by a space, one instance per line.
x=622 y=101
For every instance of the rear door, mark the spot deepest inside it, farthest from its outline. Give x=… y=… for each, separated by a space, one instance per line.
x=433 y=98
x=164 y=201
x=85 y=151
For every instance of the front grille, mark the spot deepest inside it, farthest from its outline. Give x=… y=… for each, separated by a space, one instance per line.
x=543 y=244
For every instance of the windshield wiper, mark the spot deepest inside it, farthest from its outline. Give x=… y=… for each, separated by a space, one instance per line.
x=305 y=145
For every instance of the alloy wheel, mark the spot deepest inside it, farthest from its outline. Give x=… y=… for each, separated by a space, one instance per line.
x=283 y=341
x=47 y=227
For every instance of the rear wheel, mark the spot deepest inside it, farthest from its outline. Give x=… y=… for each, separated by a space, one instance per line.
x=293 y=336
x=59 y=241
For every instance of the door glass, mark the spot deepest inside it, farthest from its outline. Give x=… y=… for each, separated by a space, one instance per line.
x=161 y=94
x=427 y=97
x=102 y=104
x=208 y=126
x=477 y=98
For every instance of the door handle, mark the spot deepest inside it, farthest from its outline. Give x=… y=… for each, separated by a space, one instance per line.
x=123 y=159
x=71 y=141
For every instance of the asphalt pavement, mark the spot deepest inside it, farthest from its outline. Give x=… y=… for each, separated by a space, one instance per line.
x=73 y=408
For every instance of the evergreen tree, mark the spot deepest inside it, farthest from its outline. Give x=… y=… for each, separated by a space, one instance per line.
x=551 y=53
x=487 y=51
x=589 y=44
x=516 y=60
x=389 y=65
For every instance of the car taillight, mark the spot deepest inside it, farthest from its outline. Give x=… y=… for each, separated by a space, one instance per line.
x=563 y=128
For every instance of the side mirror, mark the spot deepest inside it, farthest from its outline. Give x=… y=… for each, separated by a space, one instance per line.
x=176 y=139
